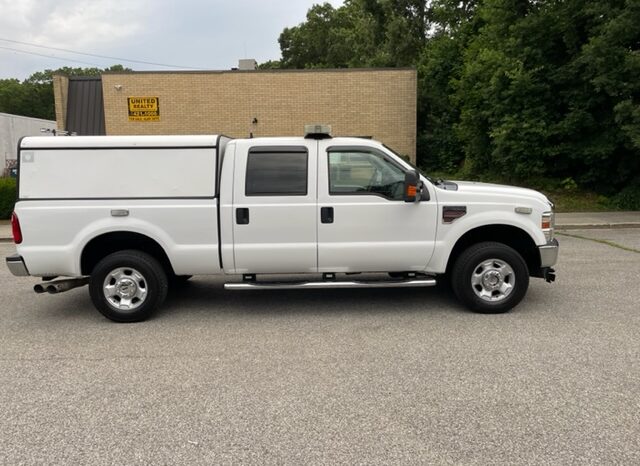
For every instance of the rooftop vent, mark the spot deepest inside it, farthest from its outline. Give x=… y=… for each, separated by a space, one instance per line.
x=247 y=64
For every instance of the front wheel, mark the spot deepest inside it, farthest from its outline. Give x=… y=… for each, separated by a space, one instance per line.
x=128 y=286
x=490 y=278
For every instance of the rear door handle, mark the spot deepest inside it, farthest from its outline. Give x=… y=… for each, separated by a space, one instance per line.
x=326 y=214
x=242 y=216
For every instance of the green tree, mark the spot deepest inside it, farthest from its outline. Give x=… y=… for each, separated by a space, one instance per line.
x=506 y=88
x=270 y=65
x=358 y=34
x=33 y=97
x=548 y=88
x=329 y=38
x=610 y=63
x=26 y=98
x=439 y=67
x=11 y=95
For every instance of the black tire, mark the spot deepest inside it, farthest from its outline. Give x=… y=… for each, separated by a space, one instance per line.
x=138 y=271
x=485 y=261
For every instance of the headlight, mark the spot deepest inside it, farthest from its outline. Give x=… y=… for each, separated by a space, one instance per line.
x=547 y=224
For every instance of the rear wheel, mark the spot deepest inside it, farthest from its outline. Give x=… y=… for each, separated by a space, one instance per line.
x=128 y=286
x=490 y=278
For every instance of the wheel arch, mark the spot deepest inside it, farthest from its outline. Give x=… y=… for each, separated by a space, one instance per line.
x=107 y=243
x=510 y=235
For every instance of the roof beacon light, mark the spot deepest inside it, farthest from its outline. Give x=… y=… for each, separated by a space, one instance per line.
x=317 y=131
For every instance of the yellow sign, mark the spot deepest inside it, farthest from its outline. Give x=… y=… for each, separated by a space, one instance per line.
x=144 y=108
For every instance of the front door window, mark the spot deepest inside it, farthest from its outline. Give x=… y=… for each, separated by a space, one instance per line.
x=365 y=173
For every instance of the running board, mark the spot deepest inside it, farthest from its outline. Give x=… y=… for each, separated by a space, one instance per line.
x=330 y=284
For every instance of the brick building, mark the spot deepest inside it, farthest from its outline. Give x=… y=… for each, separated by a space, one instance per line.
x=377 y=103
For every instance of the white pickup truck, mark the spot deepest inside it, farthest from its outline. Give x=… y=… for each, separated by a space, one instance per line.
x=132 y=215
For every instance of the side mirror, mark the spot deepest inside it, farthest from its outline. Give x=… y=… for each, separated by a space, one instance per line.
x=414 y=190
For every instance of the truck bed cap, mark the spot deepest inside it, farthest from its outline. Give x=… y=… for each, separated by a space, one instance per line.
x=118 y=141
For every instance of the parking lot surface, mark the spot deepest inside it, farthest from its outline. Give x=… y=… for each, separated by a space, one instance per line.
x=327 y=377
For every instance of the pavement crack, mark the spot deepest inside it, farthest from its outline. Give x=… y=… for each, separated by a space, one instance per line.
x=601 y=241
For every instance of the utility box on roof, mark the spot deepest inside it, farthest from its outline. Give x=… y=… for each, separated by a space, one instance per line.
x=247 y=64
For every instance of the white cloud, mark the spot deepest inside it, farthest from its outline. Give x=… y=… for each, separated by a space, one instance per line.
x=94 y=26
x=198 y=33
x=72 y=24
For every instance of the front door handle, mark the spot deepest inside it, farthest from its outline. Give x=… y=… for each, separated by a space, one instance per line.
x=242 y=216
x=326 y=214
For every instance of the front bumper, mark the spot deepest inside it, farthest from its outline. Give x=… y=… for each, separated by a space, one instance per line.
x=16 y=266
x=549 y=253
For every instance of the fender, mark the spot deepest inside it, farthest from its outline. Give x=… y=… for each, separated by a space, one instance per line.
x=113 y=225
x=449 y=234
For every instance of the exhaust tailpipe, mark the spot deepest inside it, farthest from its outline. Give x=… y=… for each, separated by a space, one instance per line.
x=60 y=286
x=39 y=288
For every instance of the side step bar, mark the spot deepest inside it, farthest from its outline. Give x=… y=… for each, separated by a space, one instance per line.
x=330 y=284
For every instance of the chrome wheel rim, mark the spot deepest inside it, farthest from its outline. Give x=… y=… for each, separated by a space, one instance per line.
x=493 y=280
x=125 y=289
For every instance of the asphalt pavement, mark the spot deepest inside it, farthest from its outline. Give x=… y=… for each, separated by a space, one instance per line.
x=331 y=377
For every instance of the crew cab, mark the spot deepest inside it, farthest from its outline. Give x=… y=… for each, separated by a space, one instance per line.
x=133 y=215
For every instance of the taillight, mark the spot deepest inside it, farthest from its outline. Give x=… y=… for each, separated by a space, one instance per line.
x=15 y=228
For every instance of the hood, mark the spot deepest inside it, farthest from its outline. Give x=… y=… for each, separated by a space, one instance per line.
x=473 y=187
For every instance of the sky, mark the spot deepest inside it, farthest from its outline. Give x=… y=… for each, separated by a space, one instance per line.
x=200 y=34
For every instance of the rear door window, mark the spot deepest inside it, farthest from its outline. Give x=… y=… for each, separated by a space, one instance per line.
x=276 y=173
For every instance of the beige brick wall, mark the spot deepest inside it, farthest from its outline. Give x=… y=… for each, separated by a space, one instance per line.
x=377 y=103
x=60 y=94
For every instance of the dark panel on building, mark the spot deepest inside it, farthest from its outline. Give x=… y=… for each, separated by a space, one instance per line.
x=85 y=106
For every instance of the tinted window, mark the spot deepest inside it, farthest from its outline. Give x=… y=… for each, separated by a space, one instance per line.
x=276 y=174
x=365 y=173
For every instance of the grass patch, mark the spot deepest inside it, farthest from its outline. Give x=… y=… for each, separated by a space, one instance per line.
x=580 y=201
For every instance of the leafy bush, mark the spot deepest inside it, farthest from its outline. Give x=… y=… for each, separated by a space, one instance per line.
x=7 y=197
x=629 y=197
x=569 y=184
